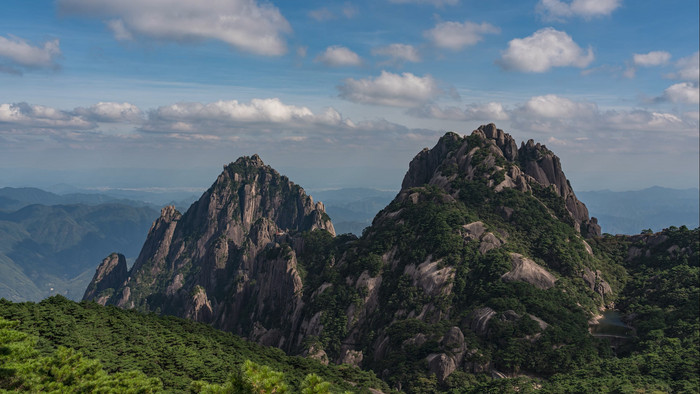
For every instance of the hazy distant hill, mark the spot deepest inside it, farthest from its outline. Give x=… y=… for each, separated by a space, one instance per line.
x=631 y=212
x=352 y=209
x=53 y=249
x=12 y=198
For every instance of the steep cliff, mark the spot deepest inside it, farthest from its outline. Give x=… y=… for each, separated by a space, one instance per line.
x=221 y=262
x=110 y=274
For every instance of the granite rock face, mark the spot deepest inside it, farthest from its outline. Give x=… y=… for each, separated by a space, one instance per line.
x=111 y=273
x=221 y=262
x=531 y=164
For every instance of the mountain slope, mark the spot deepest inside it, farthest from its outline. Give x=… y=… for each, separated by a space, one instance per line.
x=47 y=250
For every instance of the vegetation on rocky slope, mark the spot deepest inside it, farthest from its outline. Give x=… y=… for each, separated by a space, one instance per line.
x=124 y=344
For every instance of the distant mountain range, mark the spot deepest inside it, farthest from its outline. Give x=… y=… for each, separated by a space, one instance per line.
x=50 y=244
x=654 y=208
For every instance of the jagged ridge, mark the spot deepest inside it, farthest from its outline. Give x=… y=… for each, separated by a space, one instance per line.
x=209 y=265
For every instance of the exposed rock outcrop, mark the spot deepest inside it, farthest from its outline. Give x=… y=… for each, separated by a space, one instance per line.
x=111 y=273
x=526 y=270
x=227 y=261
x=532 y=163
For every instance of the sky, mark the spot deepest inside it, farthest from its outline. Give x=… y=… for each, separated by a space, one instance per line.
x=162 y=93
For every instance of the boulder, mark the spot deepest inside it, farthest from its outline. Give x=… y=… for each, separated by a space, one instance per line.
x=526 y=270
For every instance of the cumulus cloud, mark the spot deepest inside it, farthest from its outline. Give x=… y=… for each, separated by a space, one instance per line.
x=570 y=120
x=18 y=54
x=553 y=106
x=488 y=112
x=653 y=58
x=398 y=53
x=338 y=56
x=587 y=9
x=23 y=115
x=436 y=3
x=244 y=24
x=397 y=90
x=544 y=49
x=556 y=114
x=688 y=68
x=455 y=35
x=226 y=115
x=684 y=92
x=111 y=112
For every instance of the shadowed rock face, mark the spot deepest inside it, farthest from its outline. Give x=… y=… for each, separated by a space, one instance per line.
x=221 y=261
x=110 y=274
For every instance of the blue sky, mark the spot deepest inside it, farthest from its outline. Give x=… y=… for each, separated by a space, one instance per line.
x=337 y=94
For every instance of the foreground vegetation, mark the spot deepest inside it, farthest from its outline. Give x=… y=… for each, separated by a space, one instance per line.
x=102 y=345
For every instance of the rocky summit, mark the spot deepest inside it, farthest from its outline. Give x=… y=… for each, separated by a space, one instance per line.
x=226 y=261
x=479 y=265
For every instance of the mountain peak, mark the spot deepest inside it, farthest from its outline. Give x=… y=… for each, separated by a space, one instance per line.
x=491 y=155
x=250 y=161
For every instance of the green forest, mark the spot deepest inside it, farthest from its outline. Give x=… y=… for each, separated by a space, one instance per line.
x=59 y=345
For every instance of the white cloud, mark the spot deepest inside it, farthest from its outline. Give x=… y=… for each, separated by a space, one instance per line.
x=553 y=106
x=19 y=53
x=24 y=115
x=404 y=90
x=110 y=112
x=398 y=52
x=455 y=35
x=653 y=58
x=561 y=115
x=488 y=112
x=568 y=119
x=544 y=49
x=684 y=92
x=688 y=68
x=227 y=115
x=436 y=3
x=337 y=56
x=587 y=9
x=245 y=24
